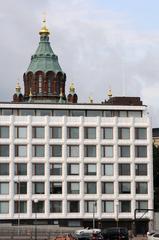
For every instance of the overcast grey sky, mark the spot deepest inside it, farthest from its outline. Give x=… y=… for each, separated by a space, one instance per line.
x=101 y=44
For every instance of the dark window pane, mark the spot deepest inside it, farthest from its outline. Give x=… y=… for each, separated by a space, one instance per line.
x=20 y=169
x=4 y=132
x=56 y=132
x=73 y=206
x=4 y=150
x=140 y=151
x=4 y=169
x=56 y=206
x=141 y=169
x=90 y=150
x=124 y=169
x=56 y=169
x=56 y=151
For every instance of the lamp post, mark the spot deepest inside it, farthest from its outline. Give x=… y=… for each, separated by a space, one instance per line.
x=94 y=206
x=18 y=205
x=35 y=204
x=117 y=214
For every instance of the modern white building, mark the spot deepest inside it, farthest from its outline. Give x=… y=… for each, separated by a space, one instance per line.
x=69 y=162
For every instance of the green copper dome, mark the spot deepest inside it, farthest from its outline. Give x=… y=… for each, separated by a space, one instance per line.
x=44 y=58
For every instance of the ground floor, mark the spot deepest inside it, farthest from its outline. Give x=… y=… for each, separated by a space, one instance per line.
x=137 y=227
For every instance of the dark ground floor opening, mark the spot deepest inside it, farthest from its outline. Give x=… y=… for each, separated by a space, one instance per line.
x=139 y=227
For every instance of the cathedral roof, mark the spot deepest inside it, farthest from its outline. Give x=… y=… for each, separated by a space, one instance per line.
x=44 y=58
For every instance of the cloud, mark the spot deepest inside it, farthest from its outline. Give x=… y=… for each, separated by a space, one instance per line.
x=97 y=47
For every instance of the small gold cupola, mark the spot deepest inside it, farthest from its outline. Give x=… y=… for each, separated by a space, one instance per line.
x=44 y=30
x=17 y=88
x=72 y=88
x=110 y=93
x=72 y=96
x=18 y=96
x=90 y=99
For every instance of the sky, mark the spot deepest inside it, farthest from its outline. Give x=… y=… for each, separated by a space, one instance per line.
x=100 y=44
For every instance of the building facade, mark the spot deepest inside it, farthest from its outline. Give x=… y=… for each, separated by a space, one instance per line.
x=71 y=163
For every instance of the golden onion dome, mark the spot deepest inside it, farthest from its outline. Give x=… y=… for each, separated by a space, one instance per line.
x=17 y=88
x=44 y=29
x=72 y=88
x=110 y=93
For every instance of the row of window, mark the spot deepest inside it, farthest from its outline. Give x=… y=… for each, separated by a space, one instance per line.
x=75 y=113
x=107 y=151
x=74 y=187
x=73 y=206
x=56 y=169
x=73 y=132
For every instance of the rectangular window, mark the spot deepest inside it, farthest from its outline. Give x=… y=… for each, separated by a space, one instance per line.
x=107 y=206
x=141 y=188
x=4 y=207
x=141 y=169
x=38 y=150
x=140 y=151
x=4 y=169
x=90 y=187
x=74 y=223
x=38 y=132
x=38 y=169
x=61 y=112
x=38 y=188
x=72 y=151
x=73 y=207
x=73 y=188
x=73 y=168
x=43 y=112
x=20 y=206
x=108 y=113
x=107 y=151
x=123 y=114
x=135 y=114
x=124 y=206
x=124 y=151
x=20 y=187
x=55 y=132
x=20 y=151
x=4 y=150
x=20 y=132
x=55 y=150
x=107 y=169
x=56 y=206
x=20 y=169
x=107 y=187
x=92 y=113
x=77 y=113
x=124 y=187
x=56 y=169
x=7 y=112
x=123 y=133
x=38 y=207
x=55 y=187
x=4 y=132
x=90 y=150
x=4 y=188
x=141 y=204
x=90 y=133
x=140 y=133
x=90 y=206
x=73 y=133
x=124 y=169
x=90 y=169
x=26 y=112
x=106 y=133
